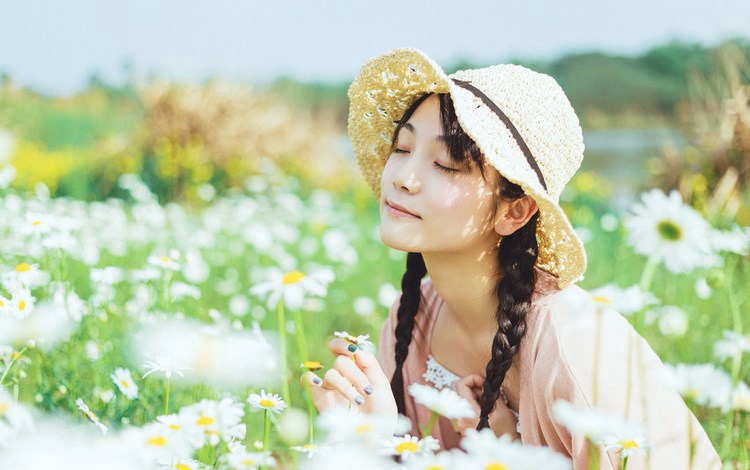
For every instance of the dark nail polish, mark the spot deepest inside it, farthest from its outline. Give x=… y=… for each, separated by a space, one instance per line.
x=352 y=348
x=358 y=399
x=316 y=380
x=368 y=389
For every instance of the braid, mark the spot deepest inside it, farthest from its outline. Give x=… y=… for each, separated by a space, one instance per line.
x=409 y=305
x=517 y=256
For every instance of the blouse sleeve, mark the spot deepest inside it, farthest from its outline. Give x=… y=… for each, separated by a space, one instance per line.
x=598 y=360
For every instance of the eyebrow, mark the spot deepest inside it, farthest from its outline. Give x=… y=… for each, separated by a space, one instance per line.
x=442 y=138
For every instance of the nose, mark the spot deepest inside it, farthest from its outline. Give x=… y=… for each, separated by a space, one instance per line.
x=406 y=177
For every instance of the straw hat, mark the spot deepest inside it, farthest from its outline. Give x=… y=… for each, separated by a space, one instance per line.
x=520 y=119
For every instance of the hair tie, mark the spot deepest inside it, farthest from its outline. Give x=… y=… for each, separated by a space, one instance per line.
x=484 y=422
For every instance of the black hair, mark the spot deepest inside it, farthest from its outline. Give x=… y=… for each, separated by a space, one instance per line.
x=517 y=256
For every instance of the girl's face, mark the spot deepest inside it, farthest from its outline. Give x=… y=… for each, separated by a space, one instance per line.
x=428 y=202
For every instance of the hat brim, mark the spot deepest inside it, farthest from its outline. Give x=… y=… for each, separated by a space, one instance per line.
x=380 y=94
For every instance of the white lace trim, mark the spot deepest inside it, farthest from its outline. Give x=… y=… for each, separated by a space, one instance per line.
x=439 y=375
x=442 y=377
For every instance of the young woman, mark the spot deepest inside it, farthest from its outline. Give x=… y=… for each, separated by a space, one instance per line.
x=468 y=170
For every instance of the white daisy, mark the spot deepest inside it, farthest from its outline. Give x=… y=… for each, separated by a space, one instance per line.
x=626 y=300
x=740 y=398
x=124 y=381
x=342 y=424
x=731 y=345
x=14 y=418
x=25 y=275
x=21 y=304
x=217 y=421
x=674 y=233
x=95 y=419
x=736 y=240
x=626 y=444
x=164 y=365
x=439 y=461
x=702 y=383
x=108 y=276
x=312 y=449
x=156 y=441
x=267 y=401
x=293 y=286
x=673 y=321
x=487 y=451
x=444 y=402
x=182 y=464
x=361 y=340
x=408 y=446
x=591 y=422
x=243 y=460
x=164 y=262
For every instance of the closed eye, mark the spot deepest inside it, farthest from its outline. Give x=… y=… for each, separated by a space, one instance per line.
x=445 y=169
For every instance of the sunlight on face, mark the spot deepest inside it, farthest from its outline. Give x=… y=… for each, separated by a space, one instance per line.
x=430 y=203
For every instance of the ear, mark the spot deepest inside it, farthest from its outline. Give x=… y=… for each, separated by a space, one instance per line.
x=514 y=215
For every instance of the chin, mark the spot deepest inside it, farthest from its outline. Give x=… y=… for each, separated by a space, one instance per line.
x=401 y=238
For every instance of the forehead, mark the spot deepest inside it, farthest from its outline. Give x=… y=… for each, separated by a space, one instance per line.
x=425 y=120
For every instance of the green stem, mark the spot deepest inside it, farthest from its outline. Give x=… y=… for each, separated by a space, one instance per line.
x=266 y=430
x=625 y=463
x=736 y=360
x=691 y=442
x=647 y=276
x=282 y=347
x=597 y=346
x=10 y=364
x=166 y=405
x=593 y=456
x=300 y=333
x=430 y=425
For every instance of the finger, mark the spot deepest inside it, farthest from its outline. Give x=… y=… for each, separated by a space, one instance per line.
x=342 y=346
x=369 y=364
x=333 y=380
x=353 y=374
x=309 y=378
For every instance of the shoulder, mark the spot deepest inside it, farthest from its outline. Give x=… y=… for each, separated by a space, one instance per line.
x=571 y=336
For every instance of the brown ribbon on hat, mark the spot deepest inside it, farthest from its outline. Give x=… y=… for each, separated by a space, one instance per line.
x=514 y=132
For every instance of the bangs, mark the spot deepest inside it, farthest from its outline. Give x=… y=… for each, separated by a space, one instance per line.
x=461 y=148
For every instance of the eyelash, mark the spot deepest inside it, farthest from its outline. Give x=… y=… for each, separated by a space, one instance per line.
x=437 y=166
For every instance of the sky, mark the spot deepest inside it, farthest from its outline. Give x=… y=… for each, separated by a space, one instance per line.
x=54 y=46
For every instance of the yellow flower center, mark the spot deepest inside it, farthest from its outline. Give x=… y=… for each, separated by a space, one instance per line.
x=22 y=305
x=4 y=408
x=248 y=463
x=23 y=267
x=292 y=278
x=36 y=223
x=267 y=403
x=363 y=428
x=310 y=446
x=691 y=393
x=124 y=383
x=435 y=467
x=600 y=299
x=314 y=365
x=158 y=441
x=495 y=466
x=629 y=444
x=205 y=421
x=175 y=427
x=182 y=466
x=407 y=446
x=165 y=259
x=669 y=230
x=742 y=403
x=2 y=304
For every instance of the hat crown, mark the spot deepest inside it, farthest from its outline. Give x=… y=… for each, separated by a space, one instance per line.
x=541 y=112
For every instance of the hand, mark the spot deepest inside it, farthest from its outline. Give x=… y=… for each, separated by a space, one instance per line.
x=356 y=378
x=502 y=420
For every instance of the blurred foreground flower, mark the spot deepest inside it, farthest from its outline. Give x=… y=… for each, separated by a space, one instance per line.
x=444 y=402
x=666 y=229
x=702 y=384
x=731 y=345
x=485 y=450
x=14 y=418
x=293 y=286
x=209 y=354
x=592 y=423
x=95 y=419
x=408 y=446
x=627 y=300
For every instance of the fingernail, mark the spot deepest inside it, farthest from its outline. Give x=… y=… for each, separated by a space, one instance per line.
x=316 y=380
x=358 y=399
x=368 y=389
x=352 y=348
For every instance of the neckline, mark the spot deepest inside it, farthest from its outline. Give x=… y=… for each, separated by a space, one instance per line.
x=431 y=329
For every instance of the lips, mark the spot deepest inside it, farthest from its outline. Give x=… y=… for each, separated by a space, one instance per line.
x=400 y=208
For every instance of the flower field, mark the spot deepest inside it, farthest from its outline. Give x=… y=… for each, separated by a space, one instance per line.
x=137 y=335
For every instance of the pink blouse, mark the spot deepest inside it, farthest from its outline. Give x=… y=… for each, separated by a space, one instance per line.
x=556 y=361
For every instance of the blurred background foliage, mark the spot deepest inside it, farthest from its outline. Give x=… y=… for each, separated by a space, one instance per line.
x=189 y=141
